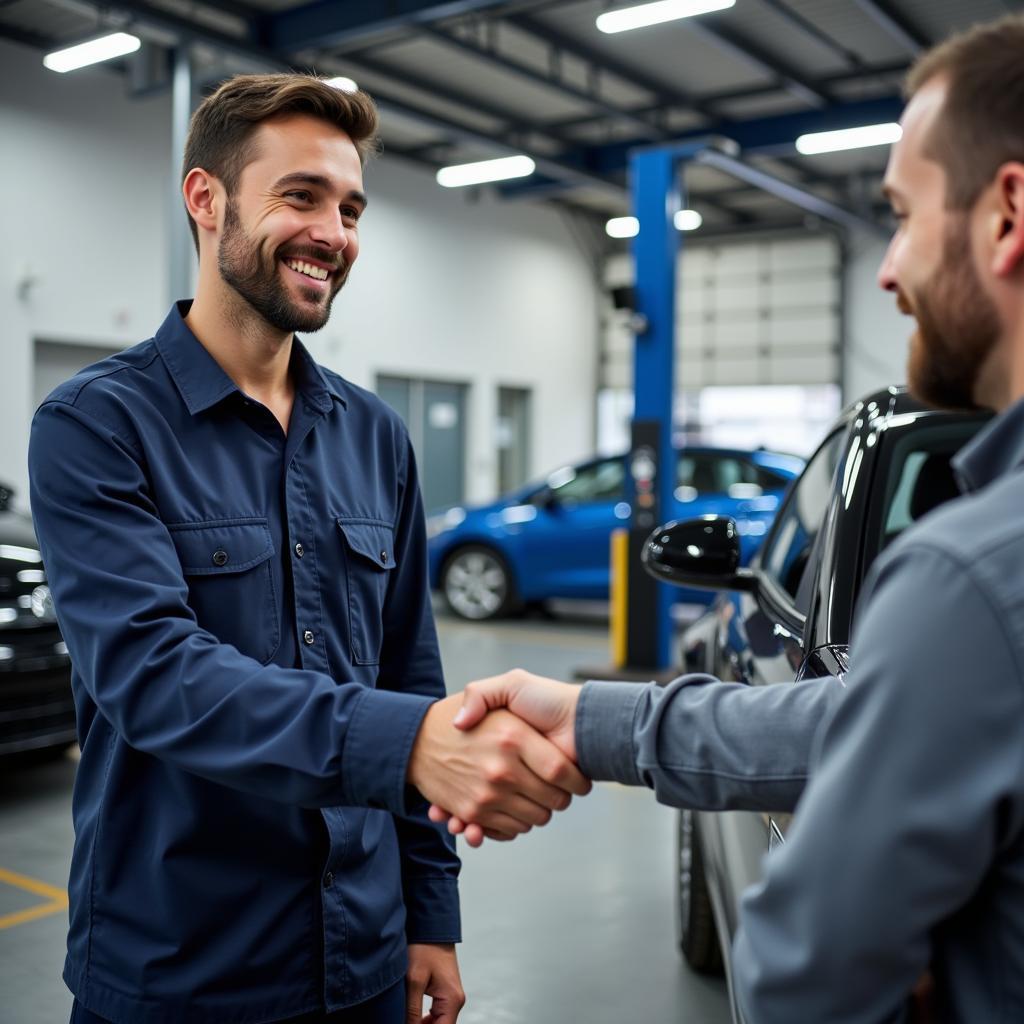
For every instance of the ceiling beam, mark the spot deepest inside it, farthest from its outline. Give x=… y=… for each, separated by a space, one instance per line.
x=819 y=35
x=646 y=125
x=728 y=40
x=885 y=16
x=327 y=24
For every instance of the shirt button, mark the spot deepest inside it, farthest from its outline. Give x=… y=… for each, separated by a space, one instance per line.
x=308 y=636
x=220 y=557
x=299 y=550
x=328 y=879
x=384 y=557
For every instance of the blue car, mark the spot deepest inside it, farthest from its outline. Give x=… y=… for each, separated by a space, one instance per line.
x=552 y=539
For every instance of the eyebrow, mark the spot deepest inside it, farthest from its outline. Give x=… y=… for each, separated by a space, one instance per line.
x=319 y=181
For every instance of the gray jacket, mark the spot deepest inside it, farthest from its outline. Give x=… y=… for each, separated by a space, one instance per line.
x=907 y=848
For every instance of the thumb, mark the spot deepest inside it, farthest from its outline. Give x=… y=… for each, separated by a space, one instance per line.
x=480 y=697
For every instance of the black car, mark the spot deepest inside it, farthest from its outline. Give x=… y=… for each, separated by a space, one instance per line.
x=883 y=465
x=37 y=712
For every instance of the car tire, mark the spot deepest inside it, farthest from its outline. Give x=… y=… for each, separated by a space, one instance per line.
x=698 y=936
x=477 y=583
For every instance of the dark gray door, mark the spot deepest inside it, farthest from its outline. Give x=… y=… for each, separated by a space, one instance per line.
x=513 y=438
x=435 y=413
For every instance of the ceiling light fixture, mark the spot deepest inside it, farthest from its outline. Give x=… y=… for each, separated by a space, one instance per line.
x=849 y=138
x=629 y=227
x=107 y=47
x=655 y=14
x=483 y=171
x=343 y=83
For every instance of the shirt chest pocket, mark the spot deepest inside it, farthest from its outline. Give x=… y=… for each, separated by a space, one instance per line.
x=227 y=565
x=369 y=557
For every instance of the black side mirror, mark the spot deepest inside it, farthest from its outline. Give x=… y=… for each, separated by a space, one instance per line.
x=702 y=552
x=545 y=498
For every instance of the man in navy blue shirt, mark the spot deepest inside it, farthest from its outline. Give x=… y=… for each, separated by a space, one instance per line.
x=235 y=544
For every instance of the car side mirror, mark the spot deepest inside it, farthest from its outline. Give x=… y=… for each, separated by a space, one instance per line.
x=547 y=499
x=702 y=552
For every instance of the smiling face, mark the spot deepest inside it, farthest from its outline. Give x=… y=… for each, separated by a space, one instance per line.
x=289 y=234
x=931 y=266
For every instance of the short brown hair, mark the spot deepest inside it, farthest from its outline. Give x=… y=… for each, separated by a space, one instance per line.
x=220 y=137
x=981 y=125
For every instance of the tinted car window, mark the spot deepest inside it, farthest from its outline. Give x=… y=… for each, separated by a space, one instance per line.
x=789 y=547
x=704 y=473
x=918 y=477
x=600 y=481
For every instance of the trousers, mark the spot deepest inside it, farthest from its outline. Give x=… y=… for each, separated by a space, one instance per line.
x=386 y=1008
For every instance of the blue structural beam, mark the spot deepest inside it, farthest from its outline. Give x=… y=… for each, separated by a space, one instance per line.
x=656 y=195
x=329 y=23
x=766 y=134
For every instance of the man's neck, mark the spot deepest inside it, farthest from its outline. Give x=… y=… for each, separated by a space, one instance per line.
x=250 y=351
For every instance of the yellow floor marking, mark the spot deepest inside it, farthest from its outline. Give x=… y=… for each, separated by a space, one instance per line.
x=56 y=899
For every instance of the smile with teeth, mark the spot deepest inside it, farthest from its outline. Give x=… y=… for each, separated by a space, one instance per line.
x=301 y=267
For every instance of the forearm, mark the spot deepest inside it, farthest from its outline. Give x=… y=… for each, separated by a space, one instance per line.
x=704 y=744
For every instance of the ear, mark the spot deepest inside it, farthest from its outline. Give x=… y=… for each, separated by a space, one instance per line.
x=202 y=193
x=1008 y=220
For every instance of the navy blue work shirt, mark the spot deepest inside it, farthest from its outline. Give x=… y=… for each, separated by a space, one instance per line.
x=249 y=622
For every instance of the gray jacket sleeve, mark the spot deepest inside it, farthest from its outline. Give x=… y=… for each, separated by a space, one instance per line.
x=914 y=792
x=704 y=744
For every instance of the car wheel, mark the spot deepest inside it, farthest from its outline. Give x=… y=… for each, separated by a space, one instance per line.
x=698 y=936
x=477 y=584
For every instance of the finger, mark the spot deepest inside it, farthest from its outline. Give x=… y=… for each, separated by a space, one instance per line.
x=415 y=990
x=456 y=826
x=474 y=835
x=482 y=696
x=552 y=770
x=438 y=815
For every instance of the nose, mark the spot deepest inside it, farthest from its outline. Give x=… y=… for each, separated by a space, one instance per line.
x=329 y=231
x=887 y=268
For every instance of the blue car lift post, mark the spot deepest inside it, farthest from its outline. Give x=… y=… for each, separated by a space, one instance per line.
x=656 y=185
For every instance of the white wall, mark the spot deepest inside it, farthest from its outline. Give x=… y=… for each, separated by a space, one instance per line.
x=480 y=292
x=876 y=333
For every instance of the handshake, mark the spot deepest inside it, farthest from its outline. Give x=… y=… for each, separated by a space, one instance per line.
x=500 y=757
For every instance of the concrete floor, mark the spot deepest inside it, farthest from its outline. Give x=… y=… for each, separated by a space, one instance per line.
x=571 y=923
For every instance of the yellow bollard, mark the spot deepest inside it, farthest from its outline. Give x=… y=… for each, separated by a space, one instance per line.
x=619 y=595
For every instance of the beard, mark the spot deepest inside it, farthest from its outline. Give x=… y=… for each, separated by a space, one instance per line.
x=257 y=279
x=957 y=327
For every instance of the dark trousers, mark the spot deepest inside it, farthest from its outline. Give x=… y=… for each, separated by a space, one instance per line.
x=387 y=1008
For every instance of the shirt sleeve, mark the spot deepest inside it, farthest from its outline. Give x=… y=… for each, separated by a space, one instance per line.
x=170 y=688
x=912 y=794
x=704 y=744
x=411 y=663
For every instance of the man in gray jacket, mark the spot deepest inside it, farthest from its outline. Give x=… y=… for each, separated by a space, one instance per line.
x=907 y=850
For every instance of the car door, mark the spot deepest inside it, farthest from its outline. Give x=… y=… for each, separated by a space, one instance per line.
x=567 y=546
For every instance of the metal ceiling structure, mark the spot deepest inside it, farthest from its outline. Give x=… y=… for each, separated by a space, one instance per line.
x=464 y=80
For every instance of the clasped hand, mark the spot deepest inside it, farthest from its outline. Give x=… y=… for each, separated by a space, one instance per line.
x=499 y=758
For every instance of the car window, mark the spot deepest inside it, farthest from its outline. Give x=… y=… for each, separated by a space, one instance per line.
x=599 y=481
x=787 y=551
x=918 y=478
x=707 y=473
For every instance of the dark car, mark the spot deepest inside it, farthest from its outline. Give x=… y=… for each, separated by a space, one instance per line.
x=883 y=465
x=37 y=712
x=551 y=539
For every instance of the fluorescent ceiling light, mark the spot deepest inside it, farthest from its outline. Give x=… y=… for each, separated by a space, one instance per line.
x=485 y=170
x=92 y=52
x=629 y=227
x=343 y=83
x=655 y=14
x=849 y=138
x=687 y=220
x=622 y=227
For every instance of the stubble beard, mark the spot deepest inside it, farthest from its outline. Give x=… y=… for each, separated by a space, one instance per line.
x=257 y=280
x=958 y=327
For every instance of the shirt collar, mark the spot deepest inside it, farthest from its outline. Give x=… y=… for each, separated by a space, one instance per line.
x=995 y=451
x=201 y=381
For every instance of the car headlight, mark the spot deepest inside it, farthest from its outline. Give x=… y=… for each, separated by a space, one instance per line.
x=436 y=525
